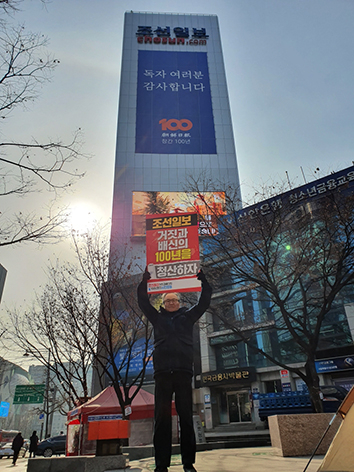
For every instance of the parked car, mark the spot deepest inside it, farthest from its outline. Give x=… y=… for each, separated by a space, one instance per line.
x=7 y=451
x=50 y=446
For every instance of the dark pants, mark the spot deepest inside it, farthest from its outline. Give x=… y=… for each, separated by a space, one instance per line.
x=16 y=453
x=179 y=383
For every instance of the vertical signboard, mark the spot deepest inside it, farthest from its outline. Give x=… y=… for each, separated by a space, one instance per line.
x=174 y=108
x=172 y=252
x=4 y=409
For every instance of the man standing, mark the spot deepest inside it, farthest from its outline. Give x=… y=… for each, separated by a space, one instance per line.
x=173 y=367
x=17 y=443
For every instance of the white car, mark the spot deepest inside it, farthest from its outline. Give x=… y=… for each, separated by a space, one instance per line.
x=7 y=451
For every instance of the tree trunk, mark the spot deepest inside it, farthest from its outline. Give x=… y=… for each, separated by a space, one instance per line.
x=313 y=385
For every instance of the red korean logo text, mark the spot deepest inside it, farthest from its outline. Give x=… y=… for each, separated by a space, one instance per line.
x=174 y=125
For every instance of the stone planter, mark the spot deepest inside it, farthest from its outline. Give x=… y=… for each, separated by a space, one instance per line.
x=298 y=435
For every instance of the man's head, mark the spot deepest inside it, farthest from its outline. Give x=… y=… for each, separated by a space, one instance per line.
x=171 y=301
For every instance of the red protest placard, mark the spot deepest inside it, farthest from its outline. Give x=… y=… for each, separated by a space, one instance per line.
x=172 y=252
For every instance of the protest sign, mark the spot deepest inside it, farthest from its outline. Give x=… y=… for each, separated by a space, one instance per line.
x=172 y=252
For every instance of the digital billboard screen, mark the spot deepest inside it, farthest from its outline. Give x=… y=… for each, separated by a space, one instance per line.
x=174 y=108
x=208 y=206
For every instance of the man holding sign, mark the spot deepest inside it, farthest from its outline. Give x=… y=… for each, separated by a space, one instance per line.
x=173 y=366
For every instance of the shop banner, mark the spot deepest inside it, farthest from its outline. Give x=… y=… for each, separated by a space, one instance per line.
x=172 y=252
x=335 y=364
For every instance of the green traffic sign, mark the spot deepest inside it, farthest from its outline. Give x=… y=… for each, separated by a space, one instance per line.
x=29 y=394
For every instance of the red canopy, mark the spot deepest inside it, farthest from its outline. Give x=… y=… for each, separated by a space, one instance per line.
x=106 y=403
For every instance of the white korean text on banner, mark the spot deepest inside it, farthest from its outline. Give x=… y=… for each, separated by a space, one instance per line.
x=172 y=252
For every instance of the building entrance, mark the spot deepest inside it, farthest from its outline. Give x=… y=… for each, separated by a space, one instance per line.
x=239 y=406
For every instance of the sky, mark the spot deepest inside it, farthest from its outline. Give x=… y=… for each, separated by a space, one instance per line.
x=290 y=73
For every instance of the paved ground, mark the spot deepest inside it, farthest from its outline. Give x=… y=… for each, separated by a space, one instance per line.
x=252 y=459
x=6 y=464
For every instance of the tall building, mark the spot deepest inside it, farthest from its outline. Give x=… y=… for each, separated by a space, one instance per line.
x=174 y=119
x=174 y=125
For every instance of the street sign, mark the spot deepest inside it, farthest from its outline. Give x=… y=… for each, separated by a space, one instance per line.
x=4 y=409
x=29 y=394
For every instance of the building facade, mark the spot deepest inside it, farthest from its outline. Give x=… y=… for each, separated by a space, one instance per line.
x=174 y=121
x=232 y=374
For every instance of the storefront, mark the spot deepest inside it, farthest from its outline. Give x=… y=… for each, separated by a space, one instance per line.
x=227 y=396
x=235 y=406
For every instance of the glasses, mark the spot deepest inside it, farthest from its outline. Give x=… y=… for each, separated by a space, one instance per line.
x=172 y=300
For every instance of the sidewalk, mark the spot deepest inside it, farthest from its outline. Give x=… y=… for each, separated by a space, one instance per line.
x=6 y=465
x=250 y=459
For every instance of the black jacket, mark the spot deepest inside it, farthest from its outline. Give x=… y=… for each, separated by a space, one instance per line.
x=33 y=443
x=173 y=331
x=17 y=443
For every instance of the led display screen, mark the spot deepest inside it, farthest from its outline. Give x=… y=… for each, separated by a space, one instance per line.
x=209 y=206
x=174 y=108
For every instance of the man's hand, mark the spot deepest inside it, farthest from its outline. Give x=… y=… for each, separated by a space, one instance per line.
x=146 y=275
x=201 y=276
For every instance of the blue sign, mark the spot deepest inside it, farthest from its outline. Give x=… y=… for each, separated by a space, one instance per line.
x=286 y=386
x=4 y=409
x=134 y=359
x=104 y=418
x=341 y=182
x=174 y=108
x=335 y=364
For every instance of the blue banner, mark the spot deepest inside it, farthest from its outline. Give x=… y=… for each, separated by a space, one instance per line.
x=335 y=364
x=134 y=358
x=174 y=109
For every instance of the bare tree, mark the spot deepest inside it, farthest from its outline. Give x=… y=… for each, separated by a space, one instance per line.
x=296 y=258
x=25 y=167
x=87 y=316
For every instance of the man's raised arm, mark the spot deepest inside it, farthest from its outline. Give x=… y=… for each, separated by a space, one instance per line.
x=143 y=299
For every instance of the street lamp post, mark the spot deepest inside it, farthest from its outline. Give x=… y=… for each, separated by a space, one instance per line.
x=47 y=398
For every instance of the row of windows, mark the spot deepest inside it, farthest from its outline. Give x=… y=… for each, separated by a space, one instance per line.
x=251 y=308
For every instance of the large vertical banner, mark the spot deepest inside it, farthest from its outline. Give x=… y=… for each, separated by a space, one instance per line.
x=174 y=108
x=172 y=252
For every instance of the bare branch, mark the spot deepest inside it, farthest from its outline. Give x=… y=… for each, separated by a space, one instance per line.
x=296 y=261
x=84 y=319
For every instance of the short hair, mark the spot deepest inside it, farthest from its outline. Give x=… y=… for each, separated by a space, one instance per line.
x=168 y=293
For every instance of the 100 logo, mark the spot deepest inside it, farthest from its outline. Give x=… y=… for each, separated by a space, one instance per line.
x=173 y=125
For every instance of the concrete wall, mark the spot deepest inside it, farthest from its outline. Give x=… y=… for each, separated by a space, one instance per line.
x=78 y=464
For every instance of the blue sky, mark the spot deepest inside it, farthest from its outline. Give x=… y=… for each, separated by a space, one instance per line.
x=290 y=71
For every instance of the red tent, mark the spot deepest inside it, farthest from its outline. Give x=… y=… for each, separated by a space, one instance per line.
x=105 y=404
